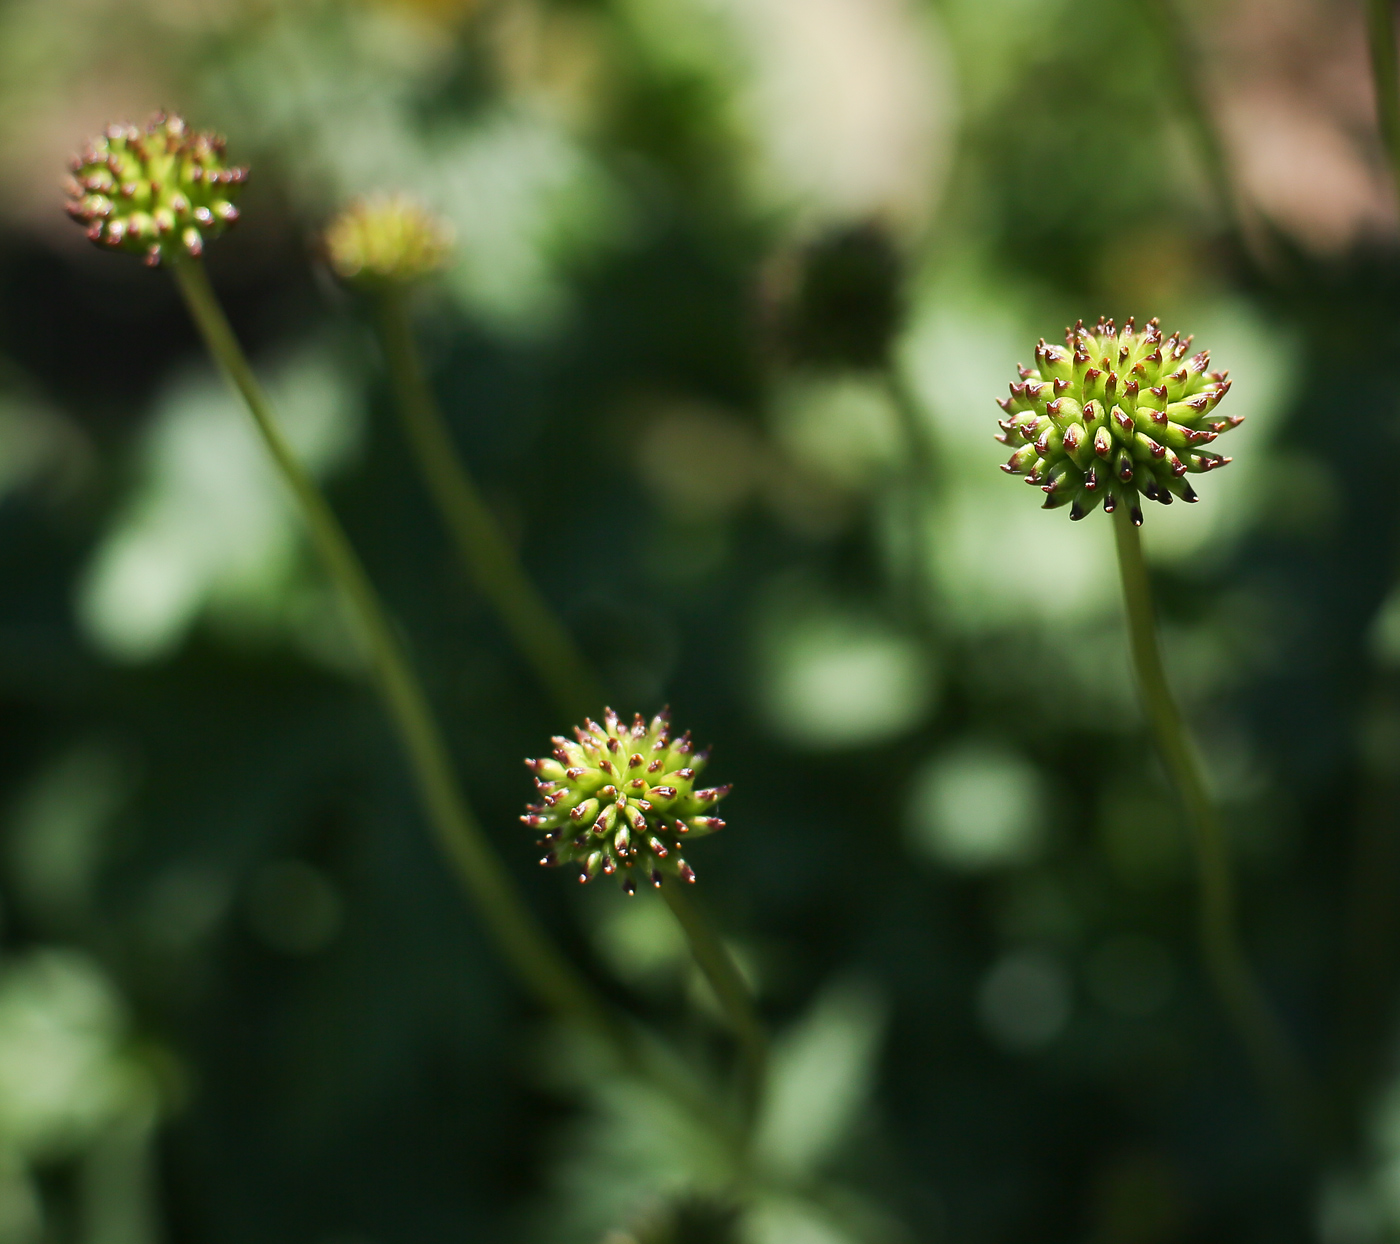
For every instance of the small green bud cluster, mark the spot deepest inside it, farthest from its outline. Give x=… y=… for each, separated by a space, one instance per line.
x=1112 y=416
x=388 y=241
x=161 y=192
x=620 y=800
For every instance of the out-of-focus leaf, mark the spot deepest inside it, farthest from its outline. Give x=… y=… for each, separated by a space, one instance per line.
x=977 y=807
x=210 y=520
x=821 y=1076
x=38 y=442
x=63 y=1075
x=832 y=677
x=57 y=829
x=845 y=103
x=635 y=1149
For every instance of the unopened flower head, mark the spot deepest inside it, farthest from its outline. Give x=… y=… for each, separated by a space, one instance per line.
x=620 y=800
x=162 y=192
x=1115 y=416
x=391 y=241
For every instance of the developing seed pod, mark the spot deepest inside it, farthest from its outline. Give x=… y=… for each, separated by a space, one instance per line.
x=386 y=241
x=162 y=192
x=621 y=800
x=1114 y=416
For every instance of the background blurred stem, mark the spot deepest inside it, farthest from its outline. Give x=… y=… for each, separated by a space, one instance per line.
x=1278 y=1067
x=525 y=945
x=540 y=637
x=490 y=561
x=1183 y=77
x=730 y=988
x=1380 y=29
x=1367 y=1001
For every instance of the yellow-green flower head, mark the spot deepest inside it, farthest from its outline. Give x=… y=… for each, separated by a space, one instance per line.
x=161 y=192
x=388 y=241
x=1115 y=416
x=620 y=800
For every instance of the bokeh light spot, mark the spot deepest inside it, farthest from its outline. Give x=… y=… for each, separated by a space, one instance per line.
x=977 y=806
x=1024 y=1002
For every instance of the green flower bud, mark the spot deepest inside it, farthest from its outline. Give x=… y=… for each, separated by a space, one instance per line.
x=1113 y=417
x=621 y=800
x=161 y=192
x=388 y=241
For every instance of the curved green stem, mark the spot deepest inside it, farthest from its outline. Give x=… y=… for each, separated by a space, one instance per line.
x=1385 y=72
x=1186 y=85
x=730 y=988
x=490 y=561
x=525 y=945
x=1278 y=1067
x=1183 y=75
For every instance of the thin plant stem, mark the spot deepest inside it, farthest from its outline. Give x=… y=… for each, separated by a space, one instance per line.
x=525 y=945
x=1171 y=29
x=730 y=988
x=1276 y=1064
x=1183 y=73
x=489 y=559
x=1385 y=72
x=1373 y=911
x=539 y=635
x=545 y=973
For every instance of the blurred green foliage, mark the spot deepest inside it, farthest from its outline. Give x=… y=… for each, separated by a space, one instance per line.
x=736 y=284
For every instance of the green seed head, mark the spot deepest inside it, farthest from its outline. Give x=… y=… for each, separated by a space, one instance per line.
x=1113 y=417
x=391 y=241
x=161 y=192
x=621 y=800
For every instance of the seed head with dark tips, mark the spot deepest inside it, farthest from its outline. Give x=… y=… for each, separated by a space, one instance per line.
x=161 y=192
x=621 y=800
x=1115 y=416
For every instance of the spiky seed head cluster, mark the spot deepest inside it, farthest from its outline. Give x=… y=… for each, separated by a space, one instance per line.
x=1115 y=416
x=162 y=192
x=387 y=241
x=620 y=800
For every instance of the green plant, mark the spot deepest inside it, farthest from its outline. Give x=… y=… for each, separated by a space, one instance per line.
x=620 y=800
x=386 y=243
x=383 y=247
x=1112 y=417
x=161 y=191
x=519 y=937
x=1385 y=74
x=147 y=162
